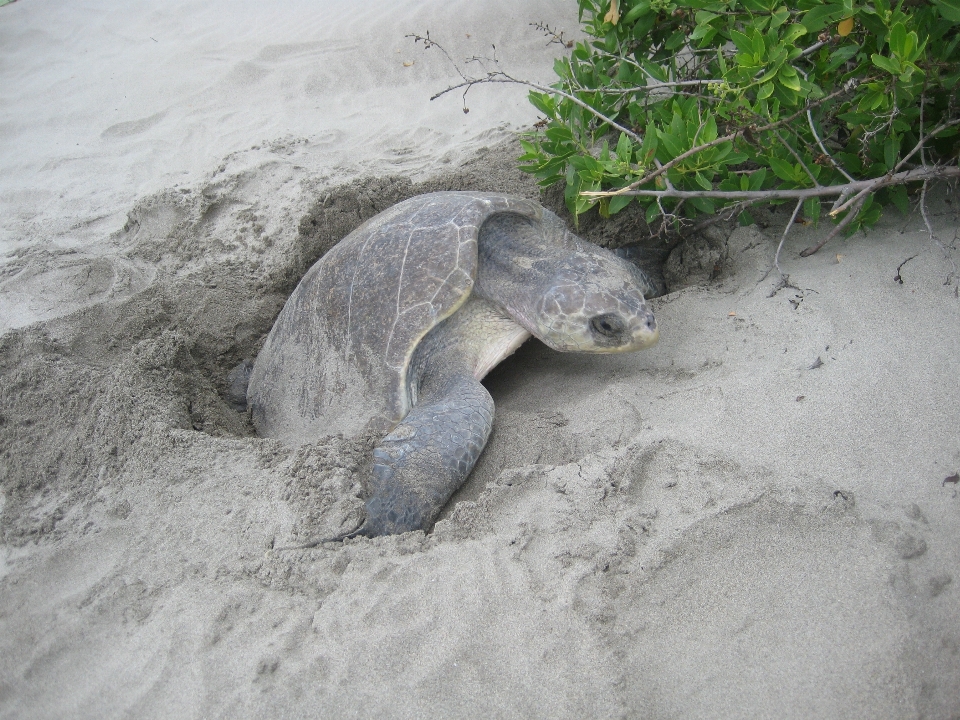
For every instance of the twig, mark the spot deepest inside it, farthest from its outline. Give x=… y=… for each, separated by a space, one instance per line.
x=786 y=231
x=554 y=36
x=660 y=85
x=923 y=214
x=499 y=76
x=933 y=235
x=847 y=219
x=823 y=148
x=813 y=48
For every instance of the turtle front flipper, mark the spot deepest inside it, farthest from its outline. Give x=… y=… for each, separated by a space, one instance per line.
x=427 y=457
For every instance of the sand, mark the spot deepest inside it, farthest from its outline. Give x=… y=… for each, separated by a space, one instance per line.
x=748 y=520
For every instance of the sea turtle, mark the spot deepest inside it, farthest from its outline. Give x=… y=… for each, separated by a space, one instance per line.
x=393 y=329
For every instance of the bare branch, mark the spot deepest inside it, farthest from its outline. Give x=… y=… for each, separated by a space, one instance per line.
x=783 y=238
x=834 y=163
x=813 y=48
x=913 y=175
x=499 y=76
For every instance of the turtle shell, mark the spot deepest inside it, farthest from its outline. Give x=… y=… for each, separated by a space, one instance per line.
x=337 y=358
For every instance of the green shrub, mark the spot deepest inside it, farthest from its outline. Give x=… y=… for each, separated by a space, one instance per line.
x=712 y=106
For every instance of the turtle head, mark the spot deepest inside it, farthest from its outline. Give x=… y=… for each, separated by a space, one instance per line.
x=570 y=294
x=594 y=303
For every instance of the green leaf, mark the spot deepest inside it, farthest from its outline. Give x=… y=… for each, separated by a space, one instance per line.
x=768 y=75
x=898 y=39
x=721 y=62
x=949 y=9
x=611 y=41
x=644 y=25
x=582 y=204
x=840 y=56
x=649 y=148
x=655 y=71
x=544 y=103
x=604 y=152
x=854 y=118
x=640 y=9
x=765 y=91
x=588 y=166
x=891 y=65
x=559 y=134
x=624 y=149
x=898 y=196
x=721 y=151
x=891 y=151
x=871 y=100
x=619 y=202
x=704 y=205
x=572 y=191
x=709 y=131
x=779 y=17
x=734 y=158
x=653 y=212
x=676 y=40
x=811 y=209
x=757 y=178
x=788 y=78
x=785 y=95
x=793 y=32
x=782 y=169
x=670 y=142
x=743 y=43
x=677 y=127
x=869 y=213
x=911 y=51
x=819 y=17
x=874 y=23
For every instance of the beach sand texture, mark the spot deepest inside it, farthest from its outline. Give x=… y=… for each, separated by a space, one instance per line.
x=749 y=520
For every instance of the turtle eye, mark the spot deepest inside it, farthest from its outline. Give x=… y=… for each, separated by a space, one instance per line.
x=607 y=325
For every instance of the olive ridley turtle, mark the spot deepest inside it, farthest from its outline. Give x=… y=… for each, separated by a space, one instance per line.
x=393 y=329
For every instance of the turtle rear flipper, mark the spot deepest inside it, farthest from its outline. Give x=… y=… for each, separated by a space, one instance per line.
x=427 y=457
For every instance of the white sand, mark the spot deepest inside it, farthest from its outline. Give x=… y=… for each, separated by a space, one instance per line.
x=709 y=529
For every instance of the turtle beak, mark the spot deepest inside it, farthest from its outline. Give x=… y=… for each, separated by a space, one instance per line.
x=649 y=332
